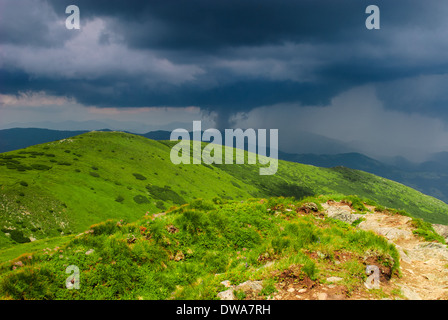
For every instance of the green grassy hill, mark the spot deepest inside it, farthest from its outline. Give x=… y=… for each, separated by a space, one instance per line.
x=60 y=188
x=189 y=251
x=139 y=227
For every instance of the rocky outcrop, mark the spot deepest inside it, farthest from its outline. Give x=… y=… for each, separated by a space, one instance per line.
x=342 y=213
x=441 y=230
x=347 y=217
x=227 y=295
x=248 y=287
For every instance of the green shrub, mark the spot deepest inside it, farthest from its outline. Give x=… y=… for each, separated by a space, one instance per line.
x=160 y=205
x=356 y=203
x=217 y=200
x=235 y=184
x=141 y=199
x=24 y=183
x=268 y=287
x=107 y=227
x=192 y=221
x=64 y=163
x=280 y=244
x=165 y=194
x=157 y=230
x=215 y=262
x=201 y=204
x=42 y=279
x=145 y=252
x=243 y=237
x=139 y=176
x=40 y=167
x=17 y=236
x=94 y=174
x=425 y=230
x=310 y=270
x=119 y=199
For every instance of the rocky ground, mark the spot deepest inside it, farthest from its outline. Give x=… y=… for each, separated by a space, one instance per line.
x=424 y=265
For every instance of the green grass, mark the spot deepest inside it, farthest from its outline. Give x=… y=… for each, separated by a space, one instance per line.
x=150 y=259
x=13 y=252
x=123 y=176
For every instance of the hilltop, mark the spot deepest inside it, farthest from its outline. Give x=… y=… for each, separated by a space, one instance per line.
x=140 y=227
x=428 y=177
x=60 y=188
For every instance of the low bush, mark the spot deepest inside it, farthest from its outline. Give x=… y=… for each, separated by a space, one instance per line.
x=17 y=236
x=139 y=176
x=94 y=174
x=24 y=183
x=40 y=167
x=425 y=230
x=141 y=199
x=165 y=194
x=160 y=205
x=107 y=227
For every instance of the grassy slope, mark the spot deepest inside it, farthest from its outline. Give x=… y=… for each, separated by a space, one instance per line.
x=68 y=199
x=178 y=256
x=294 y=179
x=87 y=174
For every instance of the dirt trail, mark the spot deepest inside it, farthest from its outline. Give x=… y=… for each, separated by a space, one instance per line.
x=424 y=265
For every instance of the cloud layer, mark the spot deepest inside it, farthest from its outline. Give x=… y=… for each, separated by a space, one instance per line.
x=231 y=57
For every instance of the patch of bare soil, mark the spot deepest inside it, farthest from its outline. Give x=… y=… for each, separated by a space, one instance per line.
x=294 y=285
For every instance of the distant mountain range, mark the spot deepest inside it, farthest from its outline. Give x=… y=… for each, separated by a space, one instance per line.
x=18 y=138
x=429 y=177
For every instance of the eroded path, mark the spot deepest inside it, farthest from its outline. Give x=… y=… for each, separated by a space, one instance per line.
x=424 y=265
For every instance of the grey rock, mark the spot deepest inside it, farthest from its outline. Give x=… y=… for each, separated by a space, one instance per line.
x=322 y=296
x=255 y=286
x=347 y=217
x=410 y=294
x=441 y=230
x=334 y=279
x=430 y=250
x=393 y=233
x=227 y=295
x=403 y=255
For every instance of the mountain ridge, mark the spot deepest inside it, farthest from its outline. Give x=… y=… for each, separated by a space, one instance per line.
x=62 y=187
x=430 y=177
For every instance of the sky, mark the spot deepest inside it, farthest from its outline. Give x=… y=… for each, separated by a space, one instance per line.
x=309 y=68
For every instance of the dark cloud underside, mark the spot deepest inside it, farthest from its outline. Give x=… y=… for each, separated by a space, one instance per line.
x=233 y=55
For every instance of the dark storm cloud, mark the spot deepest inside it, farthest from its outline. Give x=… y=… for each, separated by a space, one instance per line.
x=30 y=23
x=208 y=25
x=227 y=56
